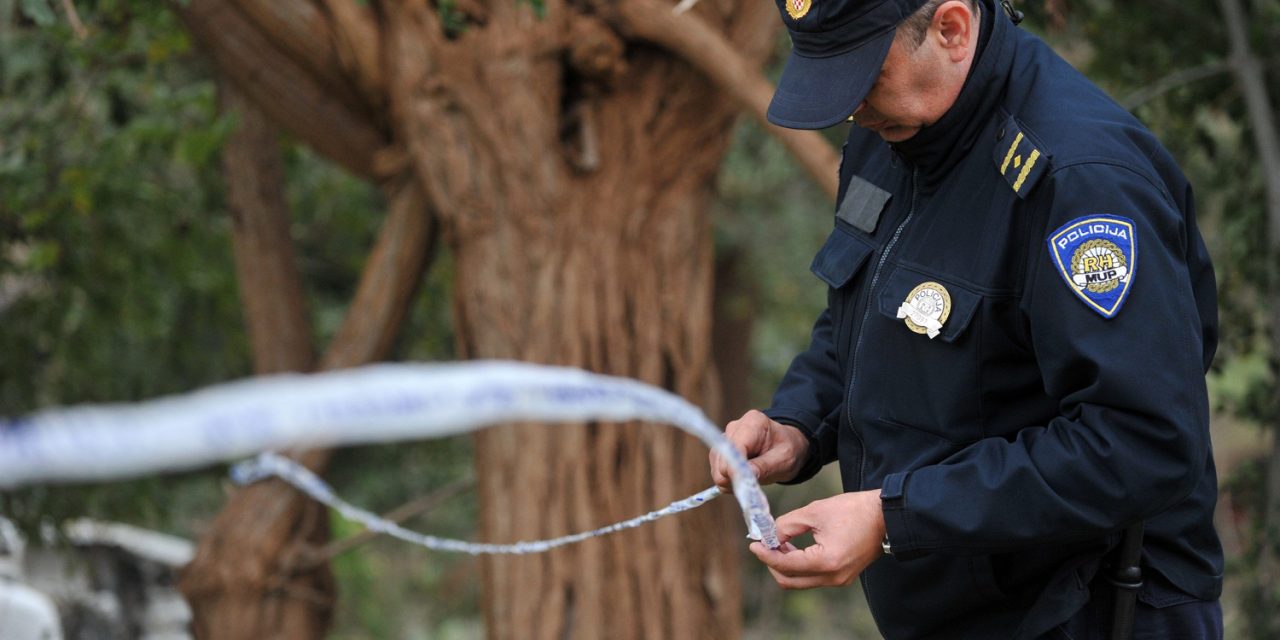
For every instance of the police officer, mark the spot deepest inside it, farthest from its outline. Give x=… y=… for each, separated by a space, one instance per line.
x=1010 y=368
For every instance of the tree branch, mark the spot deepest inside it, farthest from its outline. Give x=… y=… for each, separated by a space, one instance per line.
x=258 y=523
x=275 y=309
x=406 y=244
x=284 y=90
x=1253 y=84
x=411 y=509
x=689 y=37
x=359 y=48
x=1172 y=81
x=73 y=17
x=305 y=33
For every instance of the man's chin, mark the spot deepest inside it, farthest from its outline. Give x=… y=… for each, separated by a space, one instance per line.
x=897 y=134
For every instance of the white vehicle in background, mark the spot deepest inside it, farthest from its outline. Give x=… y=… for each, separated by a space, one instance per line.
x=25 y=614
x=112 y=581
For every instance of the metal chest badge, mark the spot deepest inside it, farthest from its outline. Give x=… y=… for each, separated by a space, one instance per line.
x=1097 y=256
x=926 y=309
x=798 y=8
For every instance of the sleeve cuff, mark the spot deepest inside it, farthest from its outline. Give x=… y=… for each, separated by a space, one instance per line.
x=893 y=501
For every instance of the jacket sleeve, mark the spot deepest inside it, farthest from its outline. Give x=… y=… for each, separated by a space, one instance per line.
x=809 y=397
x=1131 y=435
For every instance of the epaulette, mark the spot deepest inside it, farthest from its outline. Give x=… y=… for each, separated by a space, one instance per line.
x=1019 y=159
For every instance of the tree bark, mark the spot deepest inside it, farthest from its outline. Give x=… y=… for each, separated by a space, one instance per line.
x=234 y=584
x=737 y=76
x=605 y=265
x=405 y=247
x=275 y=309
x=569 y=153
x=254 y=575
x=286 y=90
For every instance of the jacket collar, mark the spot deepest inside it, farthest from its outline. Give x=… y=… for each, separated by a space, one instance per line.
x=937 y=148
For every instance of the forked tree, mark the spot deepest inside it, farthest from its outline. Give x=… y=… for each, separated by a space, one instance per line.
x=565 y=154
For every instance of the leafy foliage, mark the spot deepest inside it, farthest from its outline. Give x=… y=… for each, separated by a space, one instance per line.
x=115 y=269
x=117 y=281
x=114 y=257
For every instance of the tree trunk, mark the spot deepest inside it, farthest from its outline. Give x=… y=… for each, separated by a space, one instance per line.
x=275 y=309
x=254 y=575
x=570 y=162
x=234 y=584
x=598 y=256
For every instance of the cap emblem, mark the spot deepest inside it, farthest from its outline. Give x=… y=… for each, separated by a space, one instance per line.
x=798 y=8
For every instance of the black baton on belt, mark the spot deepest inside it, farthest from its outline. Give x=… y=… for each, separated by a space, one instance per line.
x=1126 y=576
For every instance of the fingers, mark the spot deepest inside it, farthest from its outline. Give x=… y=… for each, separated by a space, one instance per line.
x=774 y=452
x=774 y=464
x=806 y=568
x=750 y=433
x=809 y=561
x=796 y=522
x=750 y=436
x=846 y=539
x=720 y=472
x=790 y=560
x=808 y=582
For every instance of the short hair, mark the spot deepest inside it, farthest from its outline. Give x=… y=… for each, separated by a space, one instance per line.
x=916 y=25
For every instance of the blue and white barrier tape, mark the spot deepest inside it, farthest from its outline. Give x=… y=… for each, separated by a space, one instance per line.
x=270 y=464
x=380 y=403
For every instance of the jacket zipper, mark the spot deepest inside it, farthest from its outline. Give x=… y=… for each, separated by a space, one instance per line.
x=853 y=375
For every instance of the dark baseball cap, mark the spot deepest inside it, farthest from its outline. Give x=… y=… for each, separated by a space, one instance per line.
x=837 y=49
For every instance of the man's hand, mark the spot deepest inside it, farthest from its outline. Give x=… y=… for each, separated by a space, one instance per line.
x=847 y=531
x=775 y=451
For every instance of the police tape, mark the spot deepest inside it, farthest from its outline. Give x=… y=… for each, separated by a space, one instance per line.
x=379 y=403
x=269 y=464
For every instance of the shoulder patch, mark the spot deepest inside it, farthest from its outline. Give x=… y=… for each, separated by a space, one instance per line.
x=1017 y=158
x=1097 y=256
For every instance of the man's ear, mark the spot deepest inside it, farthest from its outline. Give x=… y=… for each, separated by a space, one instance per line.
x=954 y=29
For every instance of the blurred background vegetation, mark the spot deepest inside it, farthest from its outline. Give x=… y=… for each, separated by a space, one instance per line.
x=117 y=282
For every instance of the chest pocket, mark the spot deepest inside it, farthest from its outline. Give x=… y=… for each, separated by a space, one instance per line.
x=840 y=257
x=928 y=384
x=841 y=264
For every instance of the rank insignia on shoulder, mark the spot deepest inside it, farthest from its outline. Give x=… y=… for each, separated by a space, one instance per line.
x=1019 y=160
x=1097 y=257
x=926 y=309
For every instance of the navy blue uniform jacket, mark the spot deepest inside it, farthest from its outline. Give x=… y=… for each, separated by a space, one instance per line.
x=1041 y=419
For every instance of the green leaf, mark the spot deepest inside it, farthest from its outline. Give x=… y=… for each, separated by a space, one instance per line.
x=39 y=11
x=43 y=255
